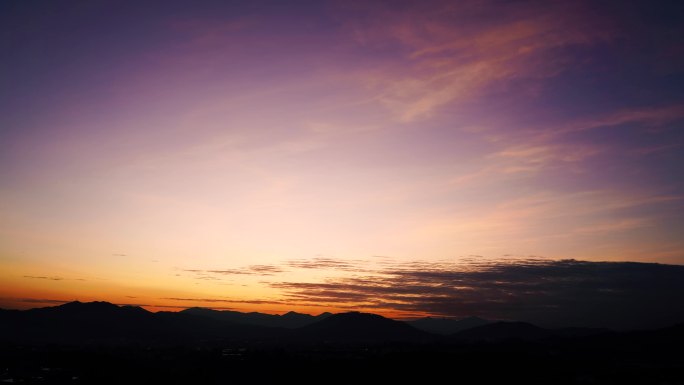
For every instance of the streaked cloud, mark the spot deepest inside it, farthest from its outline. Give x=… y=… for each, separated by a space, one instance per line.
x=651 y=117
x=43 y=301
x=221 y=300
x=258 y=270
x=43 y=277
x=328 y=263
x=551 y=292
x=52 y=278
x=451 y=59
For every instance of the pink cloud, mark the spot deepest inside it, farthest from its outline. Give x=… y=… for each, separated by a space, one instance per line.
x=449 y=59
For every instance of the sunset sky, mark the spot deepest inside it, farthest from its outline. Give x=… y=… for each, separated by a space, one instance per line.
x=251 y=155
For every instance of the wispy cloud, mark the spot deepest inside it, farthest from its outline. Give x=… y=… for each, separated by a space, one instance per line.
x=265 y=269
x=452 y=59
x=328 y=263
x=222 y=300
x=528 y=153
x=52 y=278
x=650 y=117
x=42 y=301
x=657 y=149
x=215 y=274
x=44 y=277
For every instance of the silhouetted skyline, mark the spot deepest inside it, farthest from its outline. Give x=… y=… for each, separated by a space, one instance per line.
x=78 y=322
x=102 y=343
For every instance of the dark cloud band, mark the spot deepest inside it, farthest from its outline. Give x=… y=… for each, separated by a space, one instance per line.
x=562 y=292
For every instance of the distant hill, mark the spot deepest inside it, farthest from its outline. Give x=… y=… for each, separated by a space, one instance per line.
x=102 y=343
x=290 y=320
x=103 y=322
x=78 y=322
x=355 y=326
x=447 y=325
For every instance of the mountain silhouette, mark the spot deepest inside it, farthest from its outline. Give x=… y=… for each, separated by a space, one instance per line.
x=103 y=322
x=356 y=326
x=102 y=343
x=288 y=320
x=295 y=320
x=78 y=322
x=447 y=325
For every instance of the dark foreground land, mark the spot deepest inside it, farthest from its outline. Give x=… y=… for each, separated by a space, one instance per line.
x=92 y=347
x=519 y=362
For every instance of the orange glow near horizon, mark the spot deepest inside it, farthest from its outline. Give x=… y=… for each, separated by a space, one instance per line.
x=227 y=156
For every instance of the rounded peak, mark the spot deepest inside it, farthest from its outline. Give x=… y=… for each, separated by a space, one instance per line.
x=98 y=304
x=78 y=307
x=361 y=326
x=358 y=315
x=291 y=312
x=135 y=308
x=72 y=303
x=197 y=308
x=356 y=318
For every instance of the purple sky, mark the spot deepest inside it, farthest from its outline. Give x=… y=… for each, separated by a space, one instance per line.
x=140 y=140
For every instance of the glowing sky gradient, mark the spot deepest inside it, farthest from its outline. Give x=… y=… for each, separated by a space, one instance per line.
x=144 y=143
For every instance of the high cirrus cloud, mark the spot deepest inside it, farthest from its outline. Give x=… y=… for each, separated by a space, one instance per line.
x=452 y=54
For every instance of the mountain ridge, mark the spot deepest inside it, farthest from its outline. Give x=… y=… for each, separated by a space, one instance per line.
x=289 y=320
x=99 y=321
x=358 y=326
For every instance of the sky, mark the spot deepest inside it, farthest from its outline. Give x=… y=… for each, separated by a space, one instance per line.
x=245 y=154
